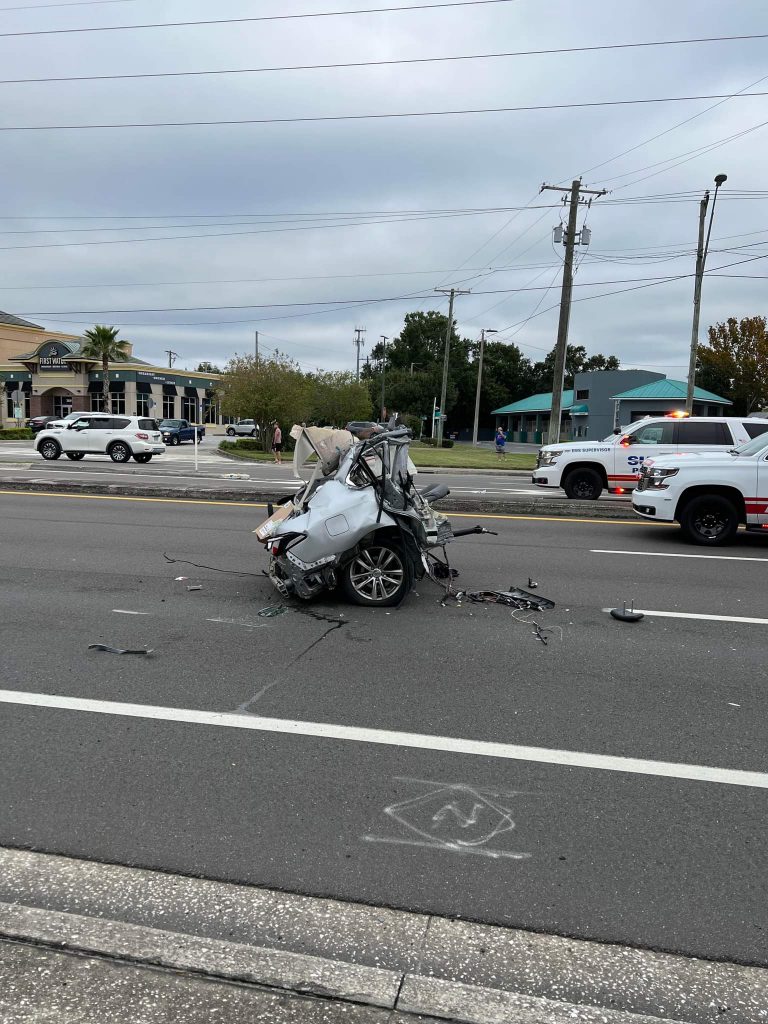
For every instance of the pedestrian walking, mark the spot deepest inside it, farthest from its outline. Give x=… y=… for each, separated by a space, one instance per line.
x=501 y=441
x=277 y=443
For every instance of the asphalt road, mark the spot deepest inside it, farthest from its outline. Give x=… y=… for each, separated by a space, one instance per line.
x=19 y=461
x=635 y=855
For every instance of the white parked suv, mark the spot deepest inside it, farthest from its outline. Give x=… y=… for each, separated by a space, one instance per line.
x=120 y=437
x=245 y=428
x=710 y=495
x=584 y=469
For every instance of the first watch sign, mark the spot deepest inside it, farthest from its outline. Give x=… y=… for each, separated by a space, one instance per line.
x=51 y=357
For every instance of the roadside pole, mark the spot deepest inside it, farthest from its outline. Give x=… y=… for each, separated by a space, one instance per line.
x=194 y=430
x=561 y=347
x=452 y=292
x=483 y=332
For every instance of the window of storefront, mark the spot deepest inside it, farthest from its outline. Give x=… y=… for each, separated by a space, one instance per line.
x=62 y=405
x=189 y=409
x=117 y=401
x=142 y=405
x=97 y=401
x=169 y=407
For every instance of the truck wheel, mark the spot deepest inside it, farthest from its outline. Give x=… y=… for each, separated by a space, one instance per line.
x=583 y=485
x=143 y=457
x=710 y=519
x=175 y=439
x=230 y=432
x=50 y=449
x=377 y=575
x=75 y=456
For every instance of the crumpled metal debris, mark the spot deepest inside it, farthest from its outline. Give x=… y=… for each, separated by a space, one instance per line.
x=146 y=651
x=271 y=611
x=194 y=588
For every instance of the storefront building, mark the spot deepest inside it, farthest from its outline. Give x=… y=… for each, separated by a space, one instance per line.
x=44 y=373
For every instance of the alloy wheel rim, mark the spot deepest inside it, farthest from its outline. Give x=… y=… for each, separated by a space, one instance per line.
x=377 y=573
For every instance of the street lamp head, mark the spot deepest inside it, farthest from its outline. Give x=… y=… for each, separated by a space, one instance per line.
x=720 y=179
x=491 y=330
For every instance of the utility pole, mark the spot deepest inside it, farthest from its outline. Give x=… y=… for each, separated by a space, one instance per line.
x=256 y=334
x=384 y=340
x=485 y=330
x=359 y=332
x=561 y=346
x=446 y=358
x=172 y=356
x=701 y=259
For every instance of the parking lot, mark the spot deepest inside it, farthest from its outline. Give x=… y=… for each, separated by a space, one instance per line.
x=609 y=783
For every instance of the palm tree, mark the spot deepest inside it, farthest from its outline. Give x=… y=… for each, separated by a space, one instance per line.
x=103 y=344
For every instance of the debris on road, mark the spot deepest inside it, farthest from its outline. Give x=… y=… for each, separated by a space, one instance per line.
x=194 y=588
x=235 y=476
x=178 y=579
x=146 y=651
x=271 y=611
x=627 y=615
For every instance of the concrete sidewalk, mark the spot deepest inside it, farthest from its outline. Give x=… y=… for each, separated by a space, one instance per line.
x=82 y=941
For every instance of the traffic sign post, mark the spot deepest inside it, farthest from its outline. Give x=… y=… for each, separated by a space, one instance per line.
x=18 y=405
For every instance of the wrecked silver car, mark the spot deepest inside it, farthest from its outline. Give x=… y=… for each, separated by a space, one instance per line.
x=359 y=523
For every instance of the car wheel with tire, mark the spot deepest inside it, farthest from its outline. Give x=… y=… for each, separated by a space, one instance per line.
x=583 y=485
x=175 y=440
x=377 y=575
x=75 y=456
x=710 y=519
x=231 y=432
x=50 y=450
x=143 y=457
x=119 y=452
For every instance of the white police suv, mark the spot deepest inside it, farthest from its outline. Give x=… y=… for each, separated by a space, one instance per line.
x=584 y=469
x=709 y=494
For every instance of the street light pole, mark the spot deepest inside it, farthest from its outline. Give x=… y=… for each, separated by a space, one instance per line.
x=701 y=259
x=485 y=330
x=384 y=340
x=452 y=292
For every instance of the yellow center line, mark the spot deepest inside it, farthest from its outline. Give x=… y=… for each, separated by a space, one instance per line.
x=254 y=504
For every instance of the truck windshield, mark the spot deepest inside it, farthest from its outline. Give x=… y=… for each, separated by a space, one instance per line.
x=753 y=447
x=171 y=423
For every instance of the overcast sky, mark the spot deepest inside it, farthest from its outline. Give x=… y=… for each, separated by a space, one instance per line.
x=263 y=177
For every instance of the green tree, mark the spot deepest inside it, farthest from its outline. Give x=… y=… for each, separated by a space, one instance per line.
x=414 y=368
x=206 y=367
x=576 y=361
x=507 y=377
x=337 y=398
x=102 y=343
x=735 y=363
x=266 y=390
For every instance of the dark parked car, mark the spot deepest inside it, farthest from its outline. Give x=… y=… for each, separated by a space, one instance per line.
x=37 y=423
x=176 y=431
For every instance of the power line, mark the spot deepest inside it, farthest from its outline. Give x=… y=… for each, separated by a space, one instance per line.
x=386 y=63
x=69 y=3
x=219 y=234
x=262 y=17
x=659 y=135
x=376 y=117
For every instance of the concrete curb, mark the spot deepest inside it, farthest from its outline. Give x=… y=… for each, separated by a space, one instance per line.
x=296 y=972
x=363 y=955
x=508 y=506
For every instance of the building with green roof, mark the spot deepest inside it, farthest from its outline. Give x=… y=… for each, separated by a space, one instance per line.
x=602 y=401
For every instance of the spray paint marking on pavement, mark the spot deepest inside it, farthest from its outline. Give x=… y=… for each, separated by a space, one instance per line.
x=385 y=737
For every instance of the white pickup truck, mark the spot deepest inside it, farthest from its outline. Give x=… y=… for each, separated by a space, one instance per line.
x=584 y=469
x=710 y=495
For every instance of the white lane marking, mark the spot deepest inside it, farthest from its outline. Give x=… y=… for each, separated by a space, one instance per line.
x=697 y=615
x=239 y=622
x=670 y=554
x=125 y=611
x=385 y=737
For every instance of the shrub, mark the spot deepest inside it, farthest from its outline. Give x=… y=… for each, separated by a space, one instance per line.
x=248 y=444
x=432 y=442
x=16 y=434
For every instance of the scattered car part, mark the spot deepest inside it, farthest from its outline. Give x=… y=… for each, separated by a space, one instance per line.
x=146 y=651
x=627 y=615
